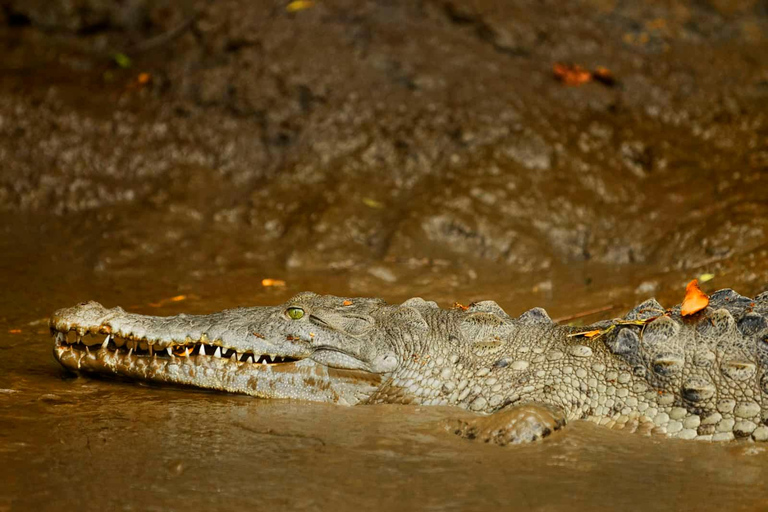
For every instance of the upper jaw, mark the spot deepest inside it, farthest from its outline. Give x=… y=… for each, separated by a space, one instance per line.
x=232 y=334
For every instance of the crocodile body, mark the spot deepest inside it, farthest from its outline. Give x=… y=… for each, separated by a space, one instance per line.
x=702 y=376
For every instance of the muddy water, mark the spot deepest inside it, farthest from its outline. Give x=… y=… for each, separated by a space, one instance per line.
x=390 y=149
x=102 y=444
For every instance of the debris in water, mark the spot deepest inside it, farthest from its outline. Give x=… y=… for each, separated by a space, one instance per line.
x=372 y=203
x=459 y=305
x=703 y=278
x=571 y=74
x=299 y=5
x=122 y=60
x=272 y=282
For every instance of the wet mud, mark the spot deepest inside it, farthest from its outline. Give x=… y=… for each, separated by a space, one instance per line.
x=391 y=149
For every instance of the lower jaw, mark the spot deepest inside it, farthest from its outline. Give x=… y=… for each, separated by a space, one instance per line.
x=302 y=380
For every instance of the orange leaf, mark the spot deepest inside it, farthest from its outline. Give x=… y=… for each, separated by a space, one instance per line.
x=695 y=299
x=571 y=74
x=346 y=303
x=460 y=306
x=15 y=331
x=272 y=282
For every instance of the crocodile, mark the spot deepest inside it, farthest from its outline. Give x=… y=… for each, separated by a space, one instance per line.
x=655 y=371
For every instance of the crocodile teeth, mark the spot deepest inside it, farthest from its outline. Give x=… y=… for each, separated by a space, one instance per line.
x=169 y=351
x=234 y=355
x=202 y=350
x=218 y=352
x=106 y=342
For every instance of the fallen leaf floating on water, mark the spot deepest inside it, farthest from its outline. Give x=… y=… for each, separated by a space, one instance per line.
x=272 y=282
x=695 y=299
x=458 y=305
x=372 y=203
x=571 y=74
x=160 y=303
x=346 y=303
x=703 y=278
x=299 y=5
x=15 y=331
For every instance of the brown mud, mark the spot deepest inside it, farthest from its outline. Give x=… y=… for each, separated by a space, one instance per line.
x=389 y=149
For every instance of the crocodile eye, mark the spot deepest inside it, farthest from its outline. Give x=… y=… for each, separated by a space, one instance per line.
x=295 y=313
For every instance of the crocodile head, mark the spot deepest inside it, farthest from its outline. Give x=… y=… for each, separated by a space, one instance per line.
x=313 y=347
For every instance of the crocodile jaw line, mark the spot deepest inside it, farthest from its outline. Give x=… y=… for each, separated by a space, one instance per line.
x=206 y=364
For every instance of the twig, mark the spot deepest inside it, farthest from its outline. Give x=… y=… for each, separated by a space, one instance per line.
x=165 y=37
x=584 y=313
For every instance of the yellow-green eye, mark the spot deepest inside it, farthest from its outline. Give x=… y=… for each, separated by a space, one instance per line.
x=295 y=313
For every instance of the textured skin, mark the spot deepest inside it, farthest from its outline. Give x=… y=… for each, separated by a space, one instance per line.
x=699 y=377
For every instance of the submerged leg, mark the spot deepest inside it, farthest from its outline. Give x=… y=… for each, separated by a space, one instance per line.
x=512 y=425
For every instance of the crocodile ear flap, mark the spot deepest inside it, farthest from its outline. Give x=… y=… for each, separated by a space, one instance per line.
x=353 y=324
x=480 y=326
